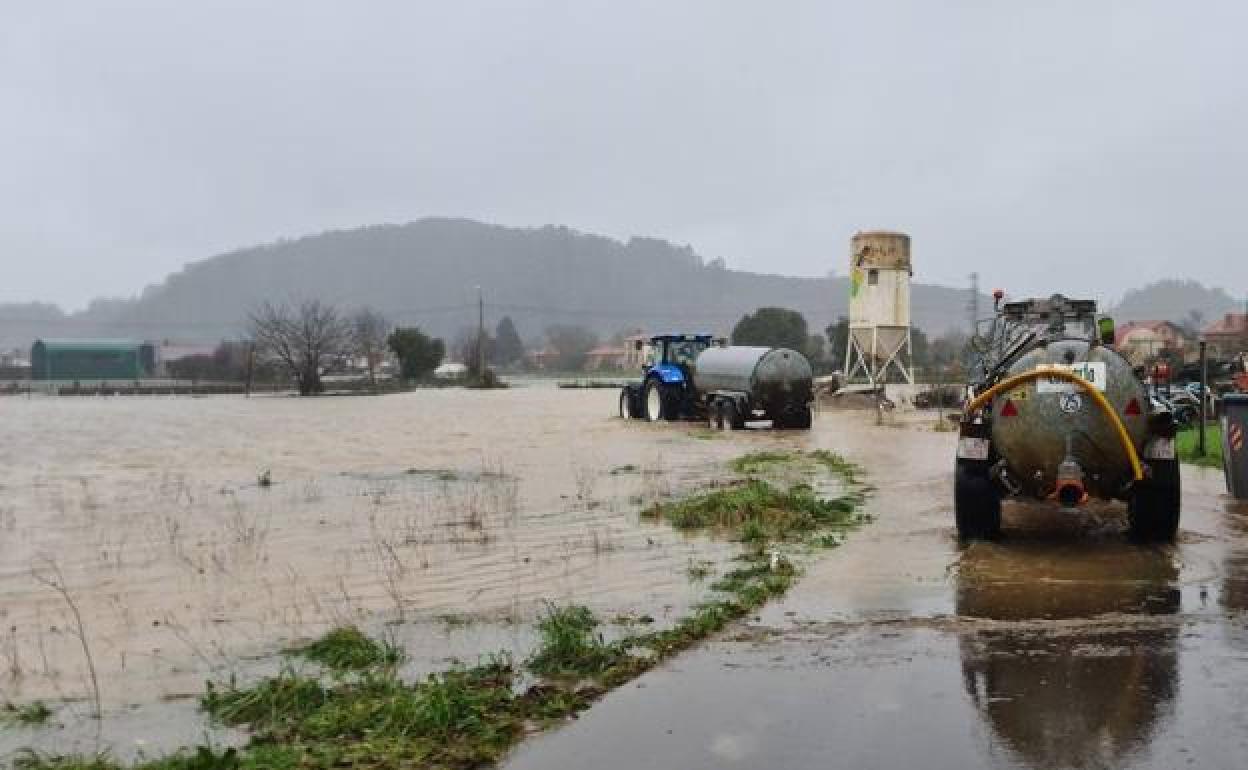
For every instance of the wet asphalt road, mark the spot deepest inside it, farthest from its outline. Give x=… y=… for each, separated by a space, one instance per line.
x=1060 y=646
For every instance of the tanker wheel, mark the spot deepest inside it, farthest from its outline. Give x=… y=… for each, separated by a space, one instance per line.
x=977 y=504
x=800 y=419
x=714 y=415
x=626 y=404
x=1155 y=504
x=733 y=419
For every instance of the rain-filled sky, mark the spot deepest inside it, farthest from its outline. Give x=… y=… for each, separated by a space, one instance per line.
x=1044 y=145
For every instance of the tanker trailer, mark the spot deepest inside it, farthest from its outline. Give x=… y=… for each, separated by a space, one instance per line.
x=690 y=377
x=1059 y=415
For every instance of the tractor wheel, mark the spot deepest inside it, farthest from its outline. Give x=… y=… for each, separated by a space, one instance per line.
x=658 y=402
x=1155 y=503
x=977 y=504
x=626 y=404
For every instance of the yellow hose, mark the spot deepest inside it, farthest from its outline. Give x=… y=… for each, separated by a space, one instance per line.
x=1019 y=379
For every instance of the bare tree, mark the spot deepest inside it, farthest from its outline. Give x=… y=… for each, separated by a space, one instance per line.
x=301 y=338
x=368 y=335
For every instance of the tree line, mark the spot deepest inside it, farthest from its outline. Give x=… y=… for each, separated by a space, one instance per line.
x=300 y=342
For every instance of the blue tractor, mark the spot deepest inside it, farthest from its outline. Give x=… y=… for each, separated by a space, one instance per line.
x=695 y=376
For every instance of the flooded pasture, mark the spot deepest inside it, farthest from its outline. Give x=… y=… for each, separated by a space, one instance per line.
x=150 y=544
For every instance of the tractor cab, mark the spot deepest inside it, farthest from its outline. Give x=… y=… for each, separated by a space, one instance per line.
x=677 y=351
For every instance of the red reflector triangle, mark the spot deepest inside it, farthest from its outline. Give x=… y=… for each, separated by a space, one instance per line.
x=1009 y=410
x=1133 y=408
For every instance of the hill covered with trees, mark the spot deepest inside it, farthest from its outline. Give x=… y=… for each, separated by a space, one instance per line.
x=425 y=273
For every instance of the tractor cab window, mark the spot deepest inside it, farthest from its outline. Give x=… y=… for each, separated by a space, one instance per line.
x=684 y=351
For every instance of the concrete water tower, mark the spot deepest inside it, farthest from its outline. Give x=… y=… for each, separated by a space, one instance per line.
x=879 y=307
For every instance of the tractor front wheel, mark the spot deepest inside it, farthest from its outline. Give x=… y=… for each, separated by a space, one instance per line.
x=626 y=404
x=658 y=402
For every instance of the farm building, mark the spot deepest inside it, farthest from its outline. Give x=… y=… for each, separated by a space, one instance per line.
x=91 y=359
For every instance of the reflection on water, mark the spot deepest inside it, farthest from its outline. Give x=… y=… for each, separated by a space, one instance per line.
x=1075 y=694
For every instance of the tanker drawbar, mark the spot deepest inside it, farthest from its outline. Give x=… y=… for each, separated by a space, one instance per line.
x=1059 y=416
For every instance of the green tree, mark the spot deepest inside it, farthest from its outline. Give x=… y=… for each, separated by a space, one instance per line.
x=508 y=349
x=774 y=327
x=838 y=340
x=418 y=353
x=570 y=343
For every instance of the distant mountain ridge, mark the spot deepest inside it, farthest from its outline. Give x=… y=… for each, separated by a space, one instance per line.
x=425 y=273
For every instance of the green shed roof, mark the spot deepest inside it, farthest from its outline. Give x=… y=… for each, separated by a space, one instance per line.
x=90 y=344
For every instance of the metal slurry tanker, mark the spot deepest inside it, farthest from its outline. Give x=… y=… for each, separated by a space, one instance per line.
x=690 y=377
x=1059 y=415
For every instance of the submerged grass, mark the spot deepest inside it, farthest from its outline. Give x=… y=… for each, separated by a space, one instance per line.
x=349 y=649
x=28 y=714
x=367 y=716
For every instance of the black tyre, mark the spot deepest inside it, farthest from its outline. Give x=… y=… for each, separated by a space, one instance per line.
x=1155 y=504
x=659 y=402
x=977 y=503
x=626 y=404
x=800 y=419
x=714 y=417
x=729 y=416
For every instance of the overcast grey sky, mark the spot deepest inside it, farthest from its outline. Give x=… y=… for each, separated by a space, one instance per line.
x=1050 y=146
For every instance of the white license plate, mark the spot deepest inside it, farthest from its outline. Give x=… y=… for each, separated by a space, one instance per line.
x=1092 y=371
x=971 y=448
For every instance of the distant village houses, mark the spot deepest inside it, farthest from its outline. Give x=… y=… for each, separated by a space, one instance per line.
x=1228 y=336
x=1145 y=341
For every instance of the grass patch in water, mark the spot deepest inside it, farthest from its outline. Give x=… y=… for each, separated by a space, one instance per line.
x=571 y=645
x=348 y=649
x=27 y=715
x=757 y=511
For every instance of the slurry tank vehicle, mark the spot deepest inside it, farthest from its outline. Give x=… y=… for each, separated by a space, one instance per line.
x=1058 y=415
x=689 y=376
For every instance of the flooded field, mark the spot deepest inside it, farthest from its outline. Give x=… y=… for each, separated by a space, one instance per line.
x=150 y=544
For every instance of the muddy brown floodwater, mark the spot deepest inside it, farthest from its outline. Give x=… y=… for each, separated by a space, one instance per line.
x=1061 y=646
x=442 y=517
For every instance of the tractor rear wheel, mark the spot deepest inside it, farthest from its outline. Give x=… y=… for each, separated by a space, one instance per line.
x=977 y=503
x=1155 y=504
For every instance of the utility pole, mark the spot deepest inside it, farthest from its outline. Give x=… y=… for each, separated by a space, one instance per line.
x=480 y=335
x=251 y=367
x=972 y=303
x=1204 y=395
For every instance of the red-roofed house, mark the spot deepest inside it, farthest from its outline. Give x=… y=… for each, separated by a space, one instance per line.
x=1228 y=335
x=1144 y=341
